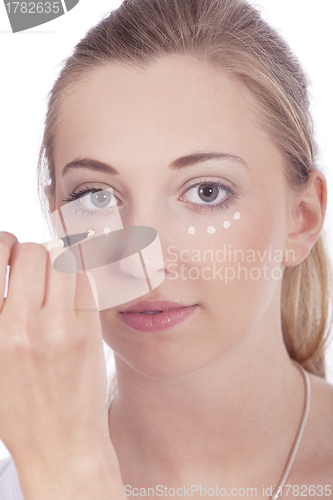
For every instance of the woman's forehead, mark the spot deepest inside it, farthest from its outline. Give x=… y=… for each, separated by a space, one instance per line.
x=173 y=87
x=174 y=103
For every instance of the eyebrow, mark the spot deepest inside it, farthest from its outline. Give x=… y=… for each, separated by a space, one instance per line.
x=179 y=163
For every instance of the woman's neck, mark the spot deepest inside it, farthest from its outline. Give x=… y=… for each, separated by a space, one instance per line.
x=239 y=413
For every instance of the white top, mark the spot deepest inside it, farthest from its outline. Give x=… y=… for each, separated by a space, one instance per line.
x=9 y=484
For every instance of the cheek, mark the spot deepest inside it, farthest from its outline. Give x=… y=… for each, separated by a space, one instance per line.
x=237 y=235
x=230 y=267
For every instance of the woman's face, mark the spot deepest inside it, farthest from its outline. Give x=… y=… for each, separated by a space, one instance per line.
x=222 y=222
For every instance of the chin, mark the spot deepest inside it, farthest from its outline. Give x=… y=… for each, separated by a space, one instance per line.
x=164 y=362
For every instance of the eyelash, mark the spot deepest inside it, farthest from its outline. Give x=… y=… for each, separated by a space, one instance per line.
x=205 y=206
x=79 y=194
x=217 y=206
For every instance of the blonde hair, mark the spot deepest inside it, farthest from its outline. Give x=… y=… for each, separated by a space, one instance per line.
x=230 y=35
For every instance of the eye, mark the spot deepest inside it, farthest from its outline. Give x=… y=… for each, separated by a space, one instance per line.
x=97 y=200
x=206 y=193
x=91 y=201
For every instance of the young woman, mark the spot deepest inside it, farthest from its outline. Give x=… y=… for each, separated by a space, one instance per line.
x=192 y=118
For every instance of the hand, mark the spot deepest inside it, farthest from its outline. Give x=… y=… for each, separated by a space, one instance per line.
x=53 y=379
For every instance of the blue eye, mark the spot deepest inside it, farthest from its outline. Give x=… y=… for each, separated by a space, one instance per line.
x=97 y=200
x=91 y=201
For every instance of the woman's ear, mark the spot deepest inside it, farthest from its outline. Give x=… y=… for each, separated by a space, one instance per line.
x=307 y=218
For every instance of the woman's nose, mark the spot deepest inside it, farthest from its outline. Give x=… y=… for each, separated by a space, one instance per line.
x=143 y=257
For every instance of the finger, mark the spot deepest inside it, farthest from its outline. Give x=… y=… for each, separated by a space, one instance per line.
x=84 y=299
x=7 y=241
x=60 y=287
x=26 y=288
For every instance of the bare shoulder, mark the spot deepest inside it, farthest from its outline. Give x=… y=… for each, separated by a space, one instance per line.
x=314 y=463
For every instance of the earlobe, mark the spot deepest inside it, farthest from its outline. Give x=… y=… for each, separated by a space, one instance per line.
x=307 y=220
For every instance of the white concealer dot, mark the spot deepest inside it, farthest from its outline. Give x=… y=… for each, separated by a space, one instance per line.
x=106 y=231
x=237 y=215
x=90 y=232
x=191 y=230
x=226 y=224
x=211 y=229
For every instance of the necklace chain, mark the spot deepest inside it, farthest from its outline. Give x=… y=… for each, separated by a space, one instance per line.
x=298 y=437
x=299 y=434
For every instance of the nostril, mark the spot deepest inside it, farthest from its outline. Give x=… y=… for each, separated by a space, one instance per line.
x=132 y=266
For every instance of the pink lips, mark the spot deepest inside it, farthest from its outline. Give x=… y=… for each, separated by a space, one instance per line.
x=172 y=313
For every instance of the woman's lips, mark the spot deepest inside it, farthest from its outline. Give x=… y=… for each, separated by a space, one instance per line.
x=153 y=305
x=144 y=322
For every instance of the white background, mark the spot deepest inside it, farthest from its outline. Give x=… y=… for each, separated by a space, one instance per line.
x=30 y=61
